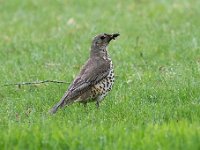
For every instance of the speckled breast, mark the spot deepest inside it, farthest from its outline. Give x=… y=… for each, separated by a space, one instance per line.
x=101 y=89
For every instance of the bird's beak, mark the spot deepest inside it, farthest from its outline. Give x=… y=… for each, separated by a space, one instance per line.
x=112 y=36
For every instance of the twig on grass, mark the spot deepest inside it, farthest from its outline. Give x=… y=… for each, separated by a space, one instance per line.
x=35 y=82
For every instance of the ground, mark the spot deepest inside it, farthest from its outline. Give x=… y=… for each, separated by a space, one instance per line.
x=155 y=102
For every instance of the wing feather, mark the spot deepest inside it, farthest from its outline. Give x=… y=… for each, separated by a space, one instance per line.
x=93 y=71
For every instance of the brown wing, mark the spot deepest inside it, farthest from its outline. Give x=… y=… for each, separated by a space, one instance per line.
x=93 y=71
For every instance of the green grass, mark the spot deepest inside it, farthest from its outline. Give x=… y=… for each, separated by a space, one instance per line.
x=155 y=102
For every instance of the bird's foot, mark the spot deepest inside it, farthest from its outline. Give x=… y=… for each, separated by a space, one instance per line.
x=97 y=104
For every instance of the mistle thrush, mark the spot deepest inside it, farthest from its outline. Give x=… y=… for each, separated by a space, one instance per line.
x=96 y=78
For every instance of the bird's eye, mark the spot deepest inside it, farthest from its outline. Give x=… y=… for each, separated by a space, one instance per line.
x=103 y=37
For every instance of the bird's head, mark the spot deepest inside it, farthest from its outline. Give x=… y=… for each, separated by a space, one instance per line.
x=101 y=41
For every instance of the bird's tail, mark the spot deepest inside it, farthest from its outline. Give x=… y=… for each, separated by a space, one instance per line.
x=61 y=103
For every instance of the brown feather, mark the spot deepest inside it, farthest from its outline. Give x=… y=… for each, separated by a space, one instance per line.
x=93 y=71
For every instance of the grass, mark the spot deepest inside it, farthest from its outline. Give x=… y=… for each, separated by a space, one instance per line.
x=155 y=102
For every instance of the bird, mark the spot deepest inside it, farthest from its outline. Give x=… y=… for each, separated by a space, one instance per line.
x=96 y=78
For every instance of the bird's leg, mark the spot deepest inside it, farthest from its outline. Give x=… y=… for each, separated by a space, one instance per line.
x=97 y=104
x=85 y=105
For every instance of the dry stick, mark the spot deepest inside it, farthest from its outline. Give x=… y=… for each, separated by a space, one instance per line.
x=35 y=82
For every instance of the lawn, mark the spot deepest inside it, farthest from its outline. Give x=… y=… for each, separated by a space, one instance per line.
x=155 y=102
